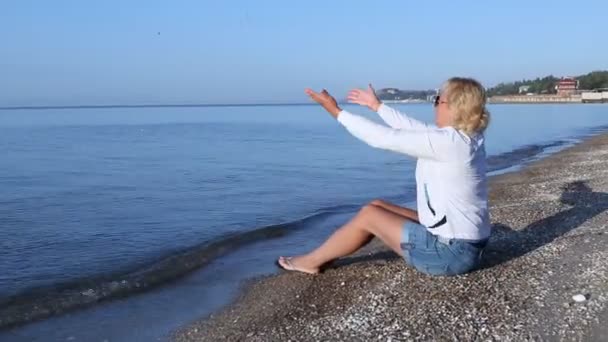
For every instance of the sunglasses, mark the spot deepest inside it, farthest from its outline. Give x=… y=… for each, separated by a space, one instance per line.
x=438 y=101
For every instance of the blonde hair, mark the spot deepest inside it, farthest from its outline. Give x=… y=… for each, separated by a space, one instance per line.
x=467 y=99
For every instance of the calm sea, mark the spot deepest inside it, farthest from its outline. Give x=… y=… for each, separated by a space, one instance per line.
x=94 y=193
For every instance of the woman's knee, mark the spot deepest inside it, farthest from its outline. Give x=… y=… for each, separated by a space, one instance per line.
x=368 y=210
x=376 y=202
x=372 y=213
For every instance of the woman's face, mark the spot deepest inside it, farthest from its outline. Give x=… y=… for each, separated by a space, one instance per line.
x=443 y=114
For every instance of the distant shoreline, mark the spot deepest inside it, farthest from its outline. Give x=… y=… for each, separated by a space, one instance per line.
x=545 y=99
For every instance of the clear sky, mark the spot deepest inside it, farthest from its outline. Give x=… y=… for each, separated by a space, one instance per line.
x=131 y=52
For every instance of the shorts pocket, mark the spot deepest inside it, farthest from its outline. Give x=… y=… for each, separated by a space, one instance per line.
x=432 y=261
x=465 y=257
x=435 y=269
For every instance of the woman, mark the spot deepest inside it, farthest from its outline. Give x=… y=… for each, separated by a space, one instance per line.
x=447 y=234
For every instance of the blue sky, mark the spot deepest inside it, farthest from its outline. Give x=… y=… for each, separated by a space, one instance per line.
x=104 y=52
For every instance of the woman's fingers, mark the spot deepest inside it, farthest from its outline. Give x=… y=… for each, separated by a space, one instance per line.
x=320 y=97
x=355 y=92
x=313 y=95
x=359 y=102
x=354 y=95
x=354 y=99
x=357 y=96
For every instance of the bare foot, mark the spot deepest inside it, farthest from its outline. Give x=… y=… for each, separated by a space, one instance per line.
x=295 y=264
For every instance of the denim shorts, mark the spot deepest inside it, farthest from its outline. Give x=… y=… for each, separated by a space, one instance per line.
x=435 y=255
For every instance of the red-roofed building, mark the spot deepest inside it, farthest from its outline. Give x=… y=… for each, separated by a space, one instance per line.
x=567 y=86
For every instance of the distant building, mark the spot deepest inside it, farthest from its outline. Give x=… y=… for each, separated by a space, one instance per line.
x=524 y=89
x=391 y=91
x=566 y=86
x=431 y=97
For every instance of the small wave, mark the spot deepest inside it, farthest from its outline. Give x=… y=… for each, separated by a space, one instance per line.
x=529 y=153
x=519 y=155
x=39 y=303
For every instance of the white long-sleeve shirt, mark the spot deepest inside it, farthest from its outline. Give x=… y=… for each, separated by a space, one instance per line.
x=451 y=184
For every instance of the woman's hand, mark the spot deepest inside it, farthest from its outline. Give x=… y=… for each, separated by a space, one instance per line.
x=365 y=98
x=324 y=99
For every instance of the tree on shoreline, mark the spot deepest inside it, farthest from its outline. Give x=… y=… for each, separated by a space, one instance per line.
x=593 y=80
x=546 y=85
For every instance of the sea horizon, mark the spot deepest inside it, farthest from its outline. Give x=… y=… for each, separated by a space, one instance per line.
x=170 y=105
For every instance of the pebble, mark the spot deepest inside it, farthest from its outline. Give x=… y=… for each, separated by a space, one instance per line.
x=89 y=292
x=579 y=298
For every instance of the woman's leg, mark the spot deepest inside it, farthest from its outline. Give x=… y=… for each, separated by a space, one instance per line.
x=409 y=214
x=371 y=221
